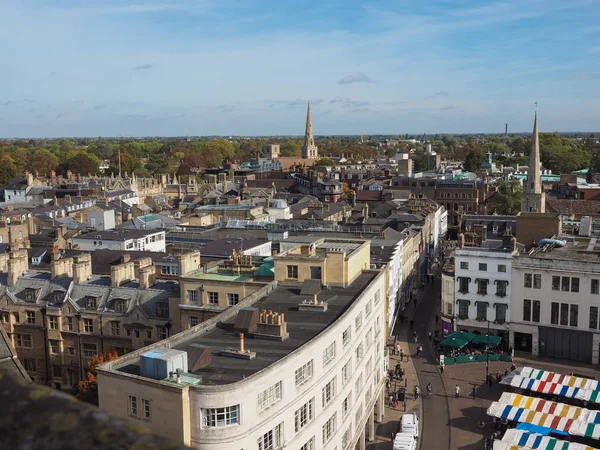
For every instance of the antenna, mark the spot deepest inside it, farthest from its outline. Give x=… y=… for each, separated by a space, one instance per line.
x=120 y=160
x=536 y=105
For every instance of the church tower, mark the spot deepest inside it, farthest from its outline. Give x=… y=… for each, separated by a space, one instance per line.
x=534 y=199
x=309 y=149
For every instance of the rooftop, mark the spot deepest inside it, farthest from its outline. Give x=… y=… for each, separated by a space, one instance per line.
x=118 y=235
x=575 y=249
x=302 y=326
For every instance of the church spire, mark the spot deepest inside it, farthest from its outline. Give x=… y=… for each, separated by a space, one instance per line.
x=309 y=149
x=534 y=199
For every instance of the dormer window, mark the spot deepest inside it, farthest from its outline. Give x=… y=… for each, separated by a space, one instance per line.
x=162 y=309
x=91 y=303
x=31 y=294
x=120 y=305
x=57 y=297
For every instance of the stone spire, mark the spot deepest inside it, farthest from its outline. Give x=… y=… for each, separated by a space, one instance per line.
x=534 y=199
x=309 y=149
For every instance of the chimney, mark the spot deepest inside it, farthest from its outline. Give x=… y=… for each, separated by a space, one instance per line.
x=241 y=342
x=61 y=267
x=125 y=258
x=188 y=262
x=223 y=179
x=29 y=177
x=18 y=262
x=461 y=240
x=122 y=273
x=82 y=268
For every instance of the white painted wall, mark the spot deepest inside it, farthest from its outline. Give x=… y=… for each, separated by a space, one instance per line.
x=151 y=243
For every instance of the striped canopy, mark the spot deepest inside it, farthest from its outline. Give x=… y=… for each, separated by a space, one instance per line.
x=541 y=419
x=540 y=442
x=543 y=406
x=567 y=380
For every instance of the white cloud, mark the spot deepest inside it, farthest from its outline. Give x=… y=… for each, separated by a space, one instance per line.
x=355 y=78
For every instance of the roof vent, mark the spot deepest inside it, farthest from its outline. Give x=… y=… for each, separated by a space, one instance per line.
x=160 y=362
x=311 y=288
x=246 y=320
x=241 y=353
x=199 y=356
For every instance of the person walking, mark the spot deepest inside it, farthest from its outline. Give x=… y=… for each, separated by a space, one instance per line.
x=457 y=391
x=490 y=380
x=429 y=336
x=442 y=367
x=417 y=392
x=398 y=349
x=401 y=354
x=429 y=388
x=473 y=392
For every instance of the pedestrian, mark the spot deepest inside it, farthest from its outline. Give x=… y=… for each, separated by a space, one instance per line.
x=457 y=391
x=429 y=389
x=416 y=338
x=401 y=354
x=490 y=380
x=442 y=368
x=398 y=349
x=429 y=336
x=473 y=392
x=417 y=392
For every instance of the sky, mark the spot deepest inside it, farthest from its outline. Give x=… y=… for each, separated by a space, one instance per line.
x=249 y=67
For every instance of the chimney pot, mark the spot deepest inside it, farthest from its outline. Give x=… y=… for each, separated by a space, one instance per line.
x=241 y=342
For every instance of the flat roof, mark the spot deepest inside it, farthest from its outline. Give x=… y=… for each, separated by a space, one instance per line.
x=118 y=235
x=302 y=326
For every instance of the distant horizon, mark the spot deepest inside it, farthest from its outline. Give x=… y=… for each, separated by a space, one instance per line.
x=205 y=67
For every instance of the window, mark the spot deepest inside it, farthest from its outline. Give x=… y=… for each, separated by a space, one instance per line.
x=169 y=270
x=137 y=334
x=5 y=317
x=132 y=406
x=71 y=351
x=564 y=284
x=220 y=417
x=149 y=334
x=346 y=372
x=483 y=267
x=463 y=285
x=358 y=322
x=292 y=272
x=91 y=303
x=213 y=298
x=54 y=346
x=23 y=340
x=146 y=405
x=89 y=350
x=310 y=445
x=528 y=280
x=527 y=310
x=346 y=437
x=233 y=299
x=30 y=365
x=269 y=396
x=594 y=287
x=53 y=322
x=360 y=352
x=482 y=308
x=193 y=321
x=304 y=415
x=554 y=313
x=88 y=325
x=357 y=417
x=347 y=405
x=304 y=373
x=162 y=309
x=329 y=353
x=272 y=439
x=328 y=392
x=555 y=283
x=368 y=308
x=329 y=428
x=161 y=332
x=574 y=316
x=501 y=312
x=564 y=314
x=120 y=306
x=482 y=287
x=69 y=324
x=463 y=309
x=358 y=384
x=56 y=371
x=574 y=284
x=369 y=335
x=192 y=296
x=594 y=317
x=537 y=281
x=501 y=268
x=536 y=311
x=501 y=288
x=377 y=296
x=464 y=265
x=31 y=317
x=115 y=328
x=346 y=336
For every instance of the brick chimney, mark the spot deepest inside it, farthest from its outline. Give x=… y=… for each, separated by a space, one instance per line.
x=18 y=262
x=82 y=268
x=145 y=272
x=122 y=273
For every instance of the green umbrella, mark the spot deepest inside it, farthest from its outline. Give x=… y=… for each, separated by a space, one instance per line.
x=493 y=341
x=454 y=342
x=463 y=335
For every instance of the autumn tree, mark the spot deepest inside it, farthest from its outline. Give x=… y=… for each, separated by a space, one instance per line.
x=82 y=163
x=87 y=389
x=43 y=162
x=507 y=198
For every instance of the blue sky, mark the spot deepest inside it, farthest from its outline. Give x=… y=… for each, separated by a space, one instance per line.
x=231 y=67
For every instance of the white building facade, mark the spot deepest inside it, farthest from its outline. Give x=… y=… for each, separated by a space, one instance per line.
x=482 y=290
x=555 y=306
x=134 y=240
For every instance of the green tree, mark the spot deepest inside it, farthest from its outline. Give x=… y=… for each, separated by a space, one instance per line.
x=221 y=146
x=473 y=160
x=7 y=169
x=82 y=163
x=325 y=162
x=44 y=162
x=129 y=163
x=507 y=198
x=291 y=148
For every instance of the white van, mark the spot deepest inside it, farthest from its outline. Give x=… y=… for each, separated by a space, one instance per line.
x=410 y=424
x=405 y=441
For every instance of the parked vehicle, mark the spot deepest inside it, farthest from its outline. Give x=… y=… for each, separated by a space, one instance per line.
x=405 y=441
x=410 y=424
